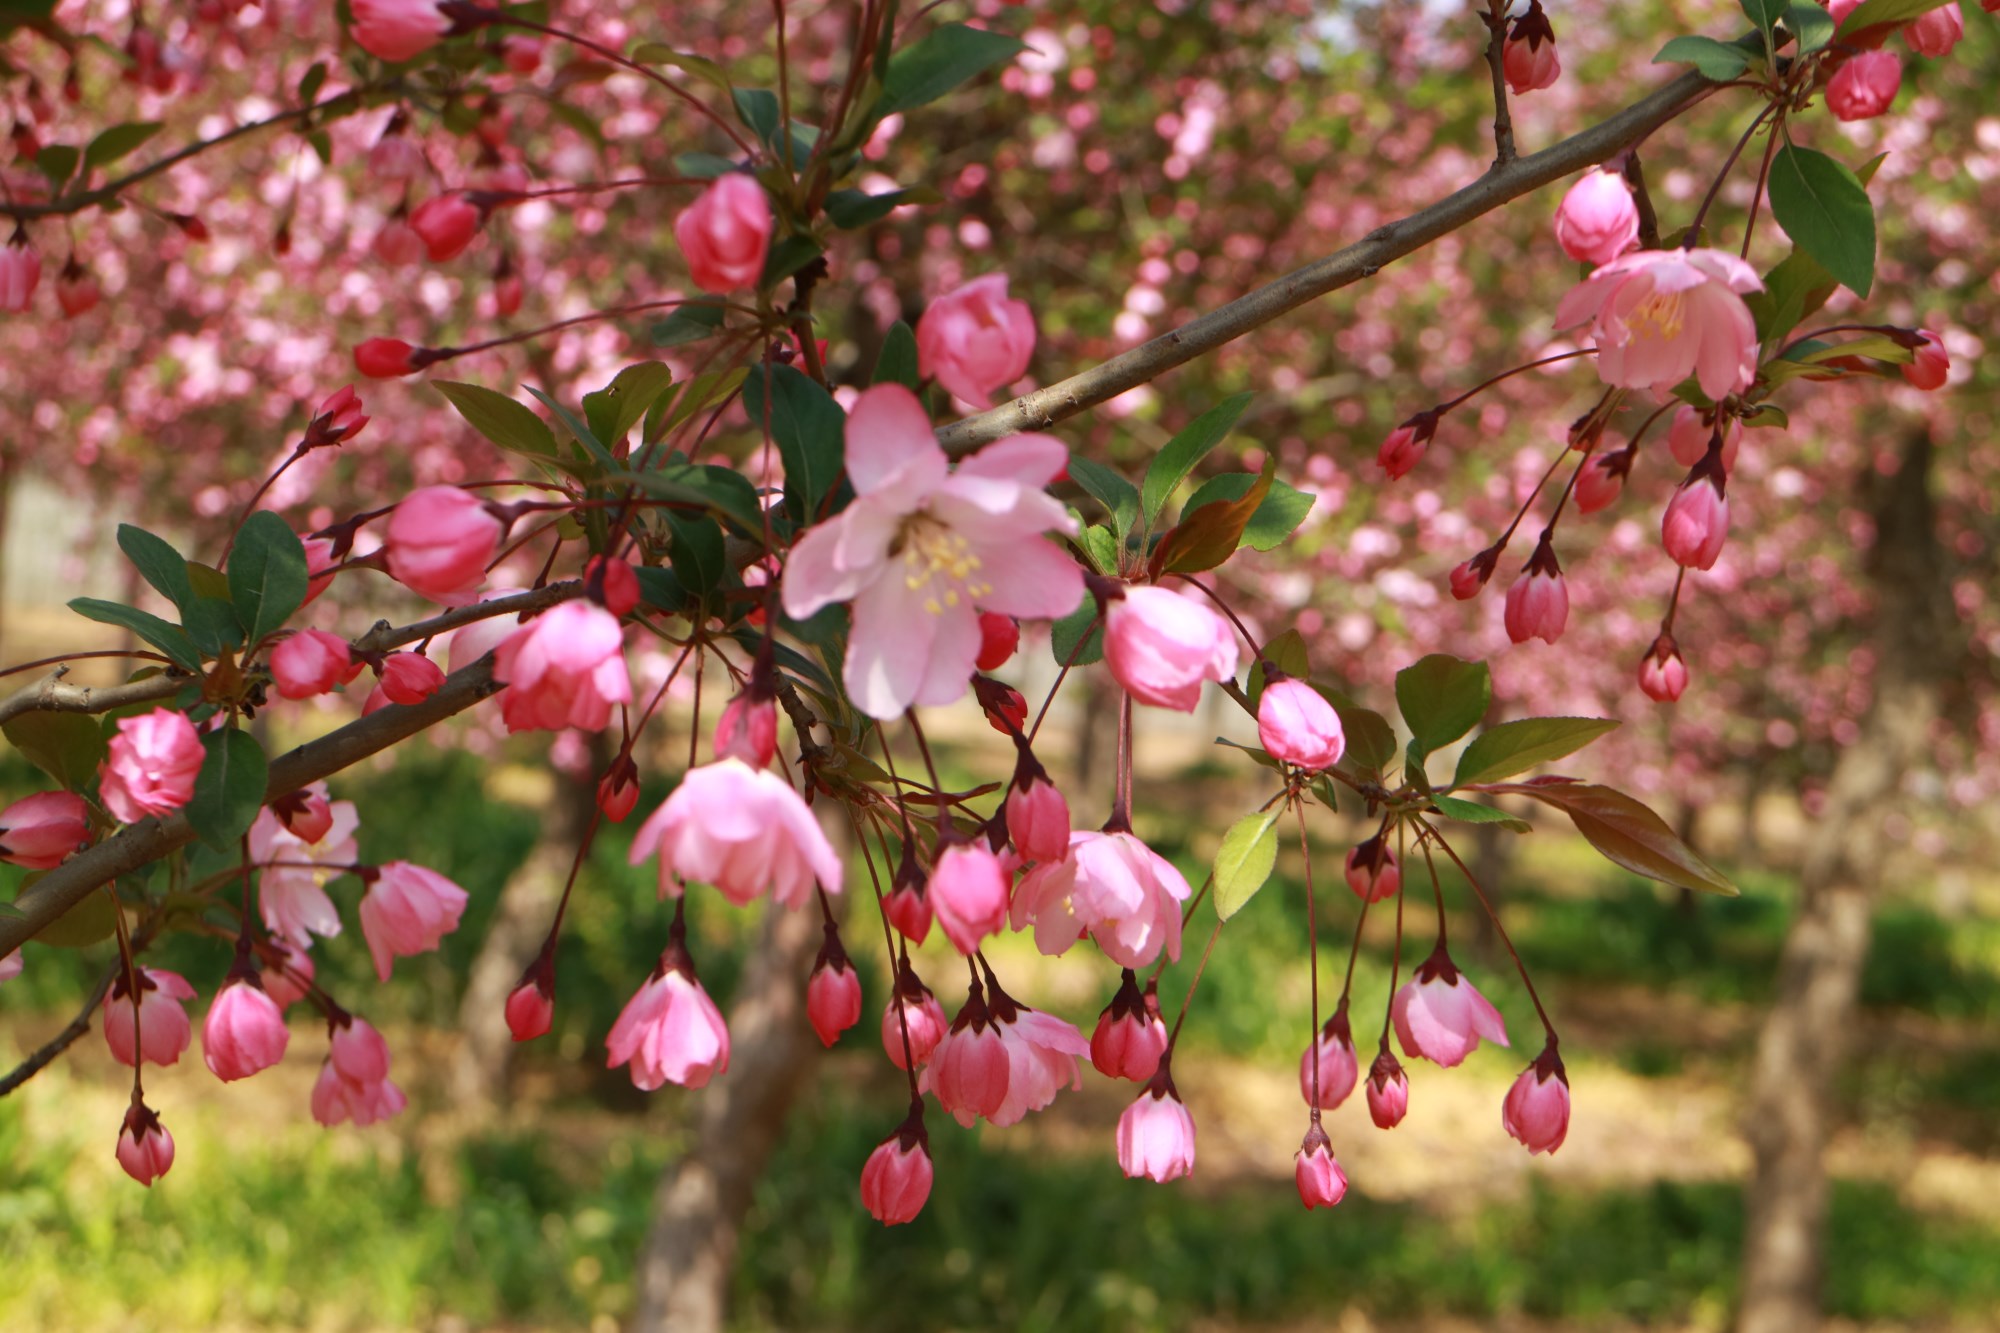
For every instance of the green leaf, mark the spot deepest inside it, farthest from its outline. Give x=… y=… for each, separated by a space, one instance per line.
x=1442 y=697
x=1179 y=455
x=267 y=574
x=947 y=56
x=808 y=428
x=1797 y=287
x=1719 y=62
x=698 y=554
x=1067 y=634
x=1630 y=835
x=213 y=625
x=117 y=141
x=1763 y=16
x=896 y=363
x=1119 y=496
x=93 y=919
x=1826 y=212
x=1276 y=519
x=719 y=490
x=1371 y=741
x=658 y=588
x=169 y=638
x=1249 y=852
x=654 y=53
x=1810 y=26
x=1515 y=747
x=849 y=209
x=788 y=257
x=758 y=108
x=314 y=80
x=1766 y=416
x=1210 y=533
x=1100 y=548
x=1471 y=812
x=230 y=788
x=578 y=428
x=618 y=406
x=506 y=421
x=689 y=323
x=66 y=746
x=158 y=563
x=1887 y=13
x=702 y=166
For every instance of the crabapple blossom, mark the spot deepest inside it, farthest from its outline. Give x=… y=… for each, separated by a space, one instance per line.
x=20 y=271
x=385 y=358
x=1538 y=603
x=1401 y=451
x=1932 y=366
x=1037 y=818
x=1156 y=1134
x=531 y=1006
x=353 y=1083
x=1298 y=726
x=1042 y=1052
x=1529 y=57
x=1468 y=577
x=39 y=831
x=970 y=1066
x=1440 y=1017
x=748 y=730
x=726 y=233
x=410 y=678
x=151 y=765
x=1935 y=32
x=1659 y=316
x=1112 y=886
x=999 y=636
x=1663 y=673
x=896 y=1181
x=1602 y=480
x=397 y=244
x=612 y=584
x=968 y=892
x=618 y=790
x=1333 y=1050
x=407 y=910
x=1130 y=1037
x=1537 y=1107
x=908 y=905
x=145 y=1149
x=564 y=668
x=915 y=1011
x=1372 y=871
x=1864 y=86
x=521 y=53
x=1689 y=434
x=288 y=977
x=291 y=896
x=397 y=30
x=319 y=561
x=159 y=1014
x=1388 y=1091
x=923 y=549
x=439 y=542
x=1160 y=647
x=742 y=829
x=974 y=340
x=244 y=1032
x=1597 y=220
x=311 y=662
x=447 y=224
x=833 y=997
x=77 y=290
x=1696 y=523
x=1321 y=1182
x=670 y=1031
x=338 y=418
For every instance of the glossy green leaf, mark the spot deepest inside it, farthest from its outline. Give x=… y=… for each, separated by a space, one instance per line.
x=1811 y=28
x=698 y=553
x=169 y=638
x=1441 y=698
x=116 y=142
x=506 y=421
x=1472 y=812
x=1287 y=652
x=158 y=563
x=620 y=405
x=1179 y=455
x=849 y=209
x=689 y=323
x=1066 y=636
x=1515 y=747
x=896 y=363
x=1209 y=534
x=788 y=257
x=1100 y=548
x=1118 y=496
x=808 y=428
x=1825 y=210
x=66 y=746
x=939 y=61
x=1283 y=509
x=1718 y=62
x=1887 y=13
x=267 y=574
x=655 y=53
x=57 y=161
x=230 y=788
x=1249 y=852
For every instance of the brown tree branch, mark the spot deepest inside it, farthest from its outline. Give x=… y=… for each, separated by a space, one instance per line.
x=1501 y=184
x=50 y=695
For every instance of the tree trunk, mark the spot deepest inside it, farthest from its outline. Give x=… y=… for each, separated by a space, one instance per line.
x=1799 y=1050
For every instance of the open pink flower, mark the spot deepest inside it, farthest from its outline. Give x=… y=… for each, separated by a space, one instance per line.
x=1042 y=1052
x=1537 y=1107
x=407 y=910
x=670 y=1031
x=923 y=549
x=397 y=30
x=151 y=766
x=742 y=829
x=1661 y=315
x=1126 y=896
x=439 y=541
x=1156 y=1135
x=292 y=895
x=974 y=340
x=163 y=1031
x=564 y=668
x=354 y=1081
x=726 y=233
x=40 y=831
x=1440 y=1016
x=968 y=891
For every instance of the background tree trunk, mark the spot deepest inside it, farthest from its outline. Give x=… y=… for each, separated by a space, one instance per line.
x=1819 y=972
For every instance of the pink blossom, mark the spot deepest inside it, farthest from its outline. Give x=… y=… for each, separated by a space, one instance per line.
x=1156 y=1135
x=833 y=999
x=1298 y=726
x=1935 y=32
x=160 y=1016
x=1864 y=86
x=319 y=559
x=908 y=907
x=287 y=978
x=742 y=829
x=1538 y=603
x=1388 y=1091
x=1659 y=316
x=151 y=766
x=40 y=831
x=1602 y=480
x=1372 y=871
x=974 y=340
x=397 y=30
x=20 y=271
x=353 y=1081
x=999 y=638
x=1469 y=576
x=531 y=1005
x=970 y=1066
x=407 y=910
x=564 y=668
x=1597 y=220
x=1663 y=674
x=440 y=540
x=1161 y=646
x=1113 y=886
x=726 y=233
x=243 y=1033
x=968 y=891
x=1439 y=1016
x=410 y=678
x=1691 y=431
x=1537 y=1107
x=397 y=244
x=1932 y=366
x=748 y=730
x=1530 y=64
x=338 y=418
x=612 y=584
x=521 y=53
x=896 y=1182
x=913 y=1009
x=1042 y=1053
x=77 y=290
x=618 y=790
x=1038 y=819
x=924 y=549
x=1403 y=449
x=10 y=966
x=447 y=224
x=1333 y=1050
x=292 y=897
x=1130 y=1037
x=386 y=359
x=670 y=1031
x=145 y=1149
x=1321 y=1182
x=311 y=662
x=1696 y=522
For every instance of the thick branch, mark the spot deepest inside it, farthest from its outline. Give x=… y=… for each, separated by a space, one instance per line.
x=1502 y=184
x=50 y=695
x=141 y=844
x=383 y=636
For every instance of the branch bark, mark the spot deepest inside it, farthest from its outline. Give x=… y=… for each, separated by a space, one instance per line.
x=1501 y=184
x=50 y=695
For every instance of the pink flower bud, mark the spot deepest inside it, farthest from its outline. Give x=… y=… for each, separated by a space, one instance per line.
x=1038 y=820
x=833 y=992
x=410 y=678
x=397 y=244
x=612 y=585
x=896 y=1182
x=1689 y=434
x=306 y=813
x=748 y=730
x=1597 y=220
x=1333 y=1048
x=407 y=910
x=618 y=790
x=1696 y=523
x=1388 y=1091
x=507 y=294
x=439 y=541
x=907 y=907
x=397 y=30
x=151 y=766
x=287 y=980
x=968 y=891
x=975 y=339
x=564 y=668
x=1935 y=32
x=1161 y=646
x=1538 y=603
x=1863 y=87
x=1663 y=675
x=1007 y=714
x=1298 y=726
x=1130 y=1037
x=1602 y=480
x=311 y=662
x=319 y=559
x=1321 y=1182
x=726 y=233
x=340 y=417
x=969 y=1067
x=158 y=1013
x=999 y=637
x=243 y=1033
x=520 y=53
x=145 y=1149
x=915 y=1009
x=77 y=291
x=358 y=1052
x=1404 y=448
x=1372 y=871
x=1441 y=1017
x=1529 y=60
x=1156 y=1135
x=40 y=831
x=1537 y=1107
x=385 y=358
x=1469 y=576
x=447 y=225
x=670 y=1031
x=1933 y=364
x=20 y=271
x=531 y=1009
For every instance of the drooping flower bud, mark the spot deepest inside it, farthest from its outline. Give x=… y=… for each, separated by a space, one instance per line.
x=1933 y=364
x=1156 y=1133
x=145 y=1149
x=1529 y=57
x=1696 y=523
x=447 y=224
x=1321 y=1182
x=1130 y=1037
x=1935 y=32
x=20 y=272
x=1602 y=480
x=968 y=892
x=397 y=30
x=1537 y=1107
x=439 y=541
x=618 y=789
x=1864 y=86
x=531 y=1005
x=1470 y=575
x=244 y=1032
x=896 y=1182
x=1372 y=871
x=974 y=340
x=1405 y=445
x=612 y=585
x=1597 y=220
x=386 y=358
x=1037 y=815
x=912 y=1014
x=1388 y=1091
x=1689 y=433
x=410 y=678
x=748 y=730
x=1333 y=1050
x=908 y=905
x=833 y=992
x=1538 y=603
x=1161 y=646
x=969 y=1067
x=1663 y=674
x=77 y=291
x=1298 y=726
x=999 y=636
